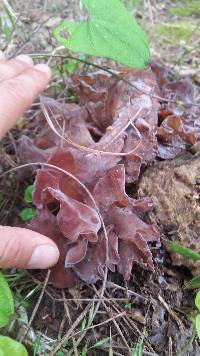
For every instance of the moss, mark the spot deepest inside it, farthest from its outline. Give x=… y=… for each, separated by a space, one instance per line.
x=188 y=8
x=176 y=31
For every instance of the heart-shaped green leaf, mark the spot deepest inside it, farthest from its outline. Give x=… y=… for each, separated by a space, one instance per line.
x=111 y=32
x=6 y=302
x=10 y=347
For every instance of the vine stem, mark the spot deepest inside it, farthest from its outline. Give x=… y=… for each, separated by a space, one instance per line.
x=107 y=70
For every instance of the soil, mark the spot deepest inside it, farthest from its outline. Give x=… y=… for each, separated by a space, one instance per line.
x=155 y=305
x=175 y=191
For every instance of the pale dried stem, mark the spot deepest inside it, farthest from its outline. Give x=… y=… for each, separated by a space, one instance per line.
x=70 y=321
x=115 y=323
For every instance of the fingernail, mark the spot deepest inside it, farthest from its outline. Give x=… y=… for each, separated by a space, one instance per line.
x=25 y=58
x=43 y=68
x=44 y=256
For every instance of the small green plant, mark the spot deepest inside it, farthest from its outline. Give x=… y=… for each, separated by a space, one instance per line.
x=183 y=251
x=194 y=283
x=197 y=317
x=28 y=213
x=7 y=21
x=138 y=347
x=8 y=346
x=28 y=194
x=187 y=253
x=127 y=305
x=111 y=32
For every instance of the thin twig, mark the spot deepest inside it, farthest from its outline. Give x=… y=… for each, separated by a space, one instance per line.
x=173 y=315
x=36 y=306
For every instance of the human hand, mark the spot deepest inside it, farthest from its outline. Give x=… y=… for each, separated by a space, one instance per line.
x=20 y=83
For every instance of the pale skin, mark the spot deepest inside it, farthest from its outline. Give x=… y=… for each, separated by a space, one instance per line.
x=20 y=84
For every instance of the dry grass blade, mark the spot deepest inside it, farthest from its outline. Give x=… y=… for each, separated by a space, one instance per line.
x=88 y=149
x=70 y=320
x=69 y=332
x=113 y=318
x=130 y=323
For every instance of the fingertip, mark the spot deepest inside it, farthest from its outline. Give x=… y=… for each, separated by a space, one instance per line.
x=43 y=68
x=23 y=248
x=24 y=58
x=43 y=256
x=2 y=57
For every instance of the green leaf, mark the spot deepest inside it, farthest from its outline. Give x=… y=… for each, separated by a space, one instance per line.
x=194 y=283
x=83 y=324
x=183 y=251
x=138 y=348
x=84 y=351
x=110 y=350
x=28 y=214
x=37 y=343
x=197 y=301
x=197 y=324
x=60 y=353
x=101 y=342
x=28 y=194
x=70 y=67
x=10 y=347
x=110 y=32
x=90 y=315
x=6 y=302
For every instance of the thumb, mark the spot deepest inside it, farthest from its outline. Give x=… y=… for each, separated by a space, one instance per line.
x=22 y=248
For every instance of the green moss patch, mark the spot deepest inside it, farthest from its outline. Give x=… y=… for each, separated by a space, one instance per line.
x=187 y=8
x=177 y=31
